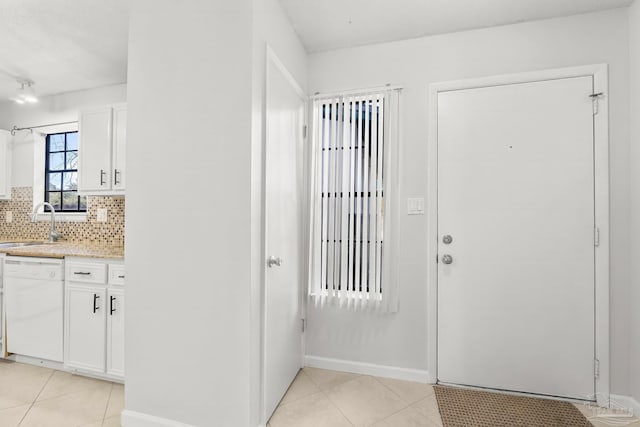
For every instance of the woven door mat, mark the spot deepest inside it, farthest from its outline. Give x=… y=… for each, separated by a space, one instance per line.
x=471 y=408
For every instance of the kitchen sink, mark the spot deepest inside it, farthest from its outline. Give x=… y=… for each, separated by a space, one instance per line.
x=9 y=245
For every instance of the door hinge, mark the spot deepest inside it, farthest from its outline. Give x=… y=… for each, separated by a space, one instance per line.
x=596 y=236
x=304 y=325
x=596 y=368
x=595 y=98
x=304 y=131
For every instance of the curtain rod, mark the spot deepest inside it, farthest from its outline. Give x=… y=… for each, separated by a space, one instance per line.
x=15 y=128
x=355 y=92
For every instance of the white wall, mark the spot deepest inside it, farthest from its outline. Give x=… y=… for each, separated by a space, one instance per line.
x=401 y=339
x=194 y=206
x=188 y=211
x=51 y=109
x=634 y=297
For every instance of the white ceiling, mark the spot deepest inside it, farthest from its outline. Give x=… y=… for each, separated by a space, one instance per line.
x=68 y=45
x=62 y=45
x=331 y=24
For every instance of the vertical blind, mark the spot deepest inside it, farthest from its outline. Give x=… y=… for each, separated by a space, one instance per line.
x=350 y=165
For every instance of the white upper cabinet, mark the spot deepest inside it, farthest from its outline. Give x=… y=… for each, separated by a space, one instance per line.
x=119 y=146
x=5 y=165
x=101 y=152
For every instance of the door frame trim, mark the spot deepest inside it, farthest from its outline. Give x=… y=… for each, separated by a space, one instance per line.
x=599 y=72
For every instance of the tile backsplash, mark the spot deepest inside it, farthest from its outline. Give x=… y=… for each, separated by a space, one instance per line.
x=109 y=233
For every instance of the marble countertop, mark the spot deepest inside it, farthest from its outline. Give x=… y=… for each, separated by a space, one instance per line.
x=66 y=249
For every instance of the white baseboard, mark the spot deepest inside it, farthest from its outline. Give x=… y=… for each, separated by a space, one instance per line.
x=138 y=419
x=367 y=369
x=59 y=366
x=626 y=402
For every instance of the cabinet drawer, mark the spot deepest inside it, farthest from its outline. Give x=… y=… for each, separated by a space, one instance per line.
x=86 y=272
x=116 y=274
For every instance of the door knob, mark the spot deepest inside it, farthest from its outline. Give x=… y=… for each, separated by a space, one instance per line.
x=447 y=239
x=271 y=261
x=447 y=259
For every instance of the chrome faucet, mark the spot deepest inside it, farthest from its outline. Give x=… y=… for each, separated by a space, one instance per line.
x=53 y=234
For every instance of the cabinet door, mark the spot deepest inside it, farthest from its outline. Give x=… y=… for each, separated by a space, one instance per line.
x=115 y=333
x=94 y=150
x=85 y=328
x=119 y=146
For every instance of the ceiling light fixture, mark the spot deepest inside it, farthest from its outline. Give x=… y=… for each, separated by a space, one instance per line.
x=25 y=93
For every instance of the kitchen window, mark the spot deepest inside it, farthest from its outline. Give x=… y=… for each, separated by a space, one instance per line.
x=354 y=156
x=61 y=173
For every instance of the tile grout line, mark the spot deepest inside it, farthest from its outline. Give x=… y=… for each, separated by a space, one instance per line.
x=411 y=405
x=336 y=406
x=316 y=385
x=395 y=394
x=299 y=398
x=327 y=396
x=358 y=377
x=285 y=393
x=36 y=398
x=104 y=415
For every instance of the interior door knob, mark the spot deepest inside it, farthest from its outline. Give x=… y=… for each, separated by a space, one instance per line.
x=271 y=261
x=447 y=259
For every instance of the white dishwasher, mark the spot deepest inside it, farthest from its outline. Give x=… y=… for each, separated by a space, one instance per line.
x=34 y=298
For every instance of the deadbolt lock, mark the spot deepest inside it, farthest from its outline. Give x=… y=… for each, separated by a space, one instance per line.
x=274 y=261
x=446 y=239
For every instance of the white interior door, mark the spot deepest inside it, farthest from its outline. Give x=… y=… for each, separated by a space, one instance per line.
x=516 y=195
x=283 y=199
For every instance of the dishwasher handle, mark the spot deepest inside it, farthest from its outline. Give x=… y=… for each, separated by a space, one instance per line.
x=96 y=297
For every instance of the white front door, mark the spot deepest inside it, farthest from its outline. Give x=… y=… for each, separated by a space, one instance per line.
x=516 y=196
x=284 y=214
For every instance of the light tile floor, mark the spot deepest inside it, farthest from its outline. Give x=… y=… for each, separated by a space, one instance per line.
x=31 y=396
x=322 y=398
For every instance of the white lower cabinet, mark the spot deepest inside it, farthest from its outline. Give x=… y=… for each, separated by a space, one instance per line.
x=94 y=318
x=115 y=333
x=2 y=311
x=85 y=334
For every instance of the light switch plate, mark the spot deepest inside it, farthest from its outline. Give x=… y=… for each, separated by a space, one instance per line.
x=9 y=216
x=101 y=214
x=415 y=206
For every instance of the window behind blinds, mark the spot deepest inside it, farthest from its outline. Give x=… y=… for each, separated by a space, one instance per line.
x=350 y=151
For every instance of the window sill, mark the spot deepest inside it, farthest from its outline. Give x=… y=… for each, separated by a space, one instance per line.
x=63 y=217
x=353 y=296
